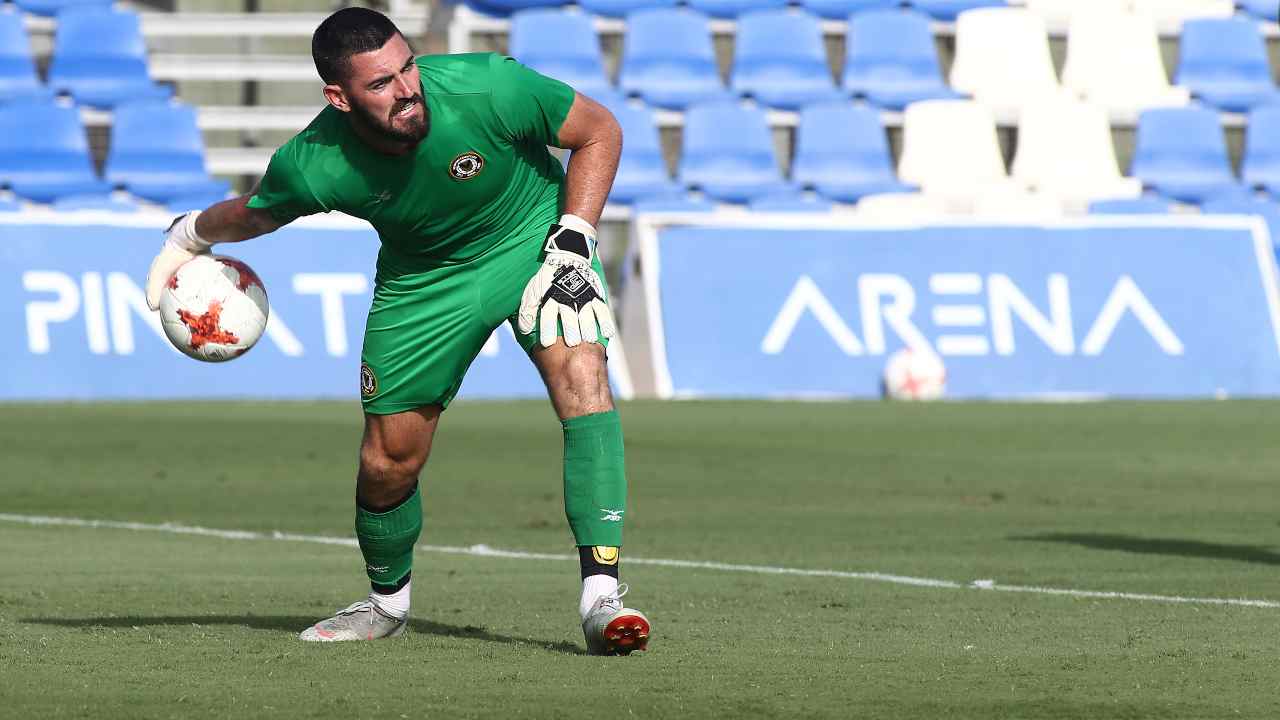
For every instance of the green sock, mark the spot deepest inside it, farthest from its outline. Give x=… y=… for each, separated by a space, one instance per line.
x=595 y=478
x=387 y=540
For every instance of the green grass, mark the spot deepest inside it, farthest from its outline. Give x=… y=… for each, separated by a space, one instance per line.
x=1171 y=498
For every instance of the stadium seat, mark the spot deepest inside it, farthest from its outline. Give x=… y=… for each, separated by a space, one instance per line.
x=950 y=150
x=843 y=153
x=1181 y=153
x=780 y=60
x=100 y=59
x=728 y=153
x=1057 y=13
x=1002 y=58
x=502 y=8
x=44 y=153
x=1166 y=12
x=621 y=8
x=1065 y=150
x=672 y=202
x=1224 y=63
x=186 y=203
x=668 y=59
x=892 y=61
x=1146 y=205
x=734 y=8
x=49 y=8
x=790 y=202
x=903 y=207
x=1010 y=202
x=951 y=9
x=642 y=171
x=99 y=203
x=18 y=79
x=842 y=9
x=1113 y=60
x=560 y=44
x=1261 y=165
x=1262 y=9
x=157 y=152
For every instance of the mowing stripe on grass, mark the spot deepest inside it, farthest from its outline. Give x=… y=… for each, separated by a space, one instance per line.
x=486 y=551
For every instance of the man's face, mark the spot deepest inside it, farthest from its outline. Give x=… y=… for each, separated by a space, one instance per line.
x=384 y=92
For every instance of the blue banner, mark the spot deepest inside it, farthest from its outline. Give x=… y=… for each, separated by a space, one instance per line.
x=75 y=323
x=1122 y=307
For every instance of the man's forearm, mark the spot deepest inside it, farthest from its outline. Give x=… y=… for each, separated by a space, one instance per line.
x=590 y=173
x=231 y=221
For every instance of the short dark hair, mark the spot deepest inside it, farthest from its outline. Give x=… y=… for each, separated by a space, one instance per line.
x=350 y=31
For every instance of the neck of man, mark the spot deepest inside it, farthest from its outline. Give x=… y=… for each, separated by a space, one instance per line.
x=378 y=140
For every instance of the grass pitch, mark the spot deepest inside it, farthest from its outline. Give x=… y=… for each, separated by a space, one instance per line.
x=1168 y=499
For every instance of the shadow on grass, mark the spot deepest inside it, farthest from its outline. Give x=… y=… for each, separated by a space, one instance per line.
x=297 y=623
x=1261 y=554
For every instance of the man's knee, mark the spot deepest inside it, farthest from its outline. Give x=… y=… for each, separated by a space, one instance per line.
x=579 y=381
x=392 y=455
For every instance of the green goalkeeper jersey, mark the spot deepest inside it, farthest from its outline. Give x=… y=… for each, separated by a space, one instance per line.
x=482 y=176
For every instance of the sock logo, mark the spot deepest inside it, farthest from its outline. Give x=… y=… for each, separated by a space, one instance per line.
x=377 y=568
x=605 y=555
x=611 y=515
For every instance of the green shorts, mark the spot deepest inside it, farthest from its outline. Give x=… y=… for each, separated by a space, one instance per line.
x=425 y=328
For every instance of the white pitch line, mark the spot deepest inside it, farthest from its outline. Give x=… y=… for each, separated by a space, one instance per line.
x=490 y=552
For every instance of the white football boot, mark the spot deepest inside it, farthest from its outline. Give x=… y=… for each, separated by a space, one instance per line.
x=360 y=621
x=612 y=629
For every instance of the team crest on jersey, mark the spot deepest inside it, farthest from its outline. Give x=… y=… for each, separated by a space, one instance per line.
x=368 y=381
x=466 y=166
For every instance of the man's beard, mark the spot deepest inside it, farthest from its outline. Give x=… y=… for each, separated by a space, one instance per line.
x=411 y=135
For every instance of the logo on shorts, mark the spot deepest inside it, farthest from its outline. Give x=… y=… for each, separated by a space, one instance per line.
x=605 y=555
x=368 y=381
x=466 y=166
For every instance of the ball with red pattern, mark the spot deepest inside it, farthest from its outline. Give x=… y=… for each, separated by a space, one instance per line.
x=915 y=374
x=214 y=308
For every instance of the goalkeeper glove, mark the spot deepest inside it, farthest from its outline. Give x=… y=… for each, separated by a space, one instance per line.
x=181 y=243
x=567 y=288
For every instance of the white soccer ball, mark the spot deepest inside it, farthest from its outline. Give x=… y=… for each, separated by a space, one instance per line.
x=214 y=308
x=915 y=374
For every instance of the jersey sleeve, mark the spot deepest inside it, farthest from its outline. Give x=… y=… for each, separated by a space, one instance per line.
x=284 y=191
x=531 y=106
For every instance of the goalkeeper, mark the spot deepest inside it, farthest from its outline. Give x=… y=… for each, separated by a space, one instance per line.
x=446 y=156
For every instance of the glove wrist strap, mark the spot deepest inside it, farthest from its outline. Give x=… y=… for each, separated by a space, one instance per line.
x=183 y=234
x=574 y=235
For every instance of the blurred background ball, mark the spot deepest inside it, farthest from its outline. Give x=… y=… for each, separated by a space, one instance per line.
x=914 y=374
x=214 y=308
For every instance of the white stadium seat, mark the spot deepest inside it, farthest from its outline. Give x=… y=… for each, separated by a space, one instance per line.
x=950 y=150
x=1011 y=203
x=1002 y=58
x=1057 y=13
x=1113 y=60
x=1172 y=12
x=1065 y=150
x=911 y=207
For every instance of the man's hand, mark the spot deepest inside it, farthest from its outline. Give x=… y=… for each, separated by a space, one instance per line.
x=181 y=243
x=567 y=288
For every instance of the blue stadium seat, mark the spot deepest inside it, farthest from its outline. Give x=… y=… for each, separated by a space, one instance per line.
x=44 y=153
x=48 y=8
x=18 y=79
x=734 y=8
x=842 y=9
x=560 y=44
x=1181 y=153
x=101 y=203
x=672 y=202
x=620 y=8
x=157 y=152
x=780 y=59
x=668 y=59
x=843 y=153
x=1261 y=166
x=503 y=8
x=949 y=9
x=641 y=171
x=99 y=57
x=1264 y=9
x=1224 y=63
x=1132 y=206
x=790 y=202
x=892 y=61
x=728 y=153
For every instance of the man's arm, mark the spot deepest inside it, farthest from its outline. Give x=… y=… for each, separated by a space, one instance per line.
x=595 y=138
x=233 y=221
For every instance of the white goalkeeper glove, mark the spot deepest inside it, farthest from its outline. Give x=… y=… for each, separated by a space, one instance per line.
x=181 y=243
x=567 y=288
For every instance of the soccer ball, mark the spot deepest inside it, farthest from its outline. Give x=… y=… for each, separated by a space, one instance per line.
x=214 y=308
x=915 y=374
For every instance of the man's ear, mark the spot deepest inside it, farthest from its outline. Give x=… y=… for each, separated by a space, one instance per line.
x=336 y=97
